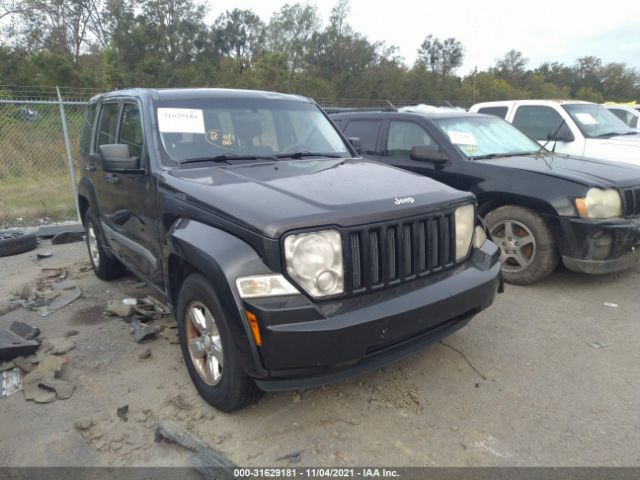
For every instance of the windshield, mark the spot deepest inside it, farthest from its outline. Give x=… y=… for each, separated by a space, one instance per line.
x=247 y=128
x=486 y=136
x=596 y=121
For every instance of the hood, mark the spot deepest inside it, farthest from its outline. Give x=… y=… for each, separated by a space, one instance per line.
x=274 y=197
x=585 y=171
x=621 y=148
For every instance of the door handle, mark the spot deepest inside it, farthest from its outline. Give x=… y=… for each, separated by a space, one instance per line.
x=89 y=167
x=112 y=178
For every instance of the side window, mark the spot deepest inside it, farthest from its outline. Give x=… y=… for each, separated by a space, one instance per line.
x=131 y=129
x=625 y=116
x=108 y=124
x=87 y=127
x=496 y=111
x=367 y=130
x=537 y=121
x=404 y=135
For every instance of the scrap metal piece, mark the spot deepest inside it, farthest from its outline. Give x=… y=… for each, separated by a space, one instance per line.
x=10 y=382
x=67 y=237
x=142 y=332
x=209 y=463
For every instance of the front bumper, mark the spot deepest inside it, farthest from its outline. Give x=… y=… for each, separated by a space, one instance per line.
x=307 y=344
x=597 y=246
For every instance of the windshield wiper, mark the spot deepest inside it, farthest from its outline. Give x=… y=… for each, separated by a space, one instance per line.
x=297 y=155
x=227 y=156
x=502 y=155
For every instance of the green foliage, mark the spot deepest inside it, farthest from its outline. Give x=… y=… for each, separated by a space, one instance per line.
x=165 y=43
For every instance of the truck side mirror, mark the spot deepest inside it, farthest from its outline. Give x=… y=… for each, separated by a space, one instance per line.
x=356 y=143
x=562 y=134
x=117 y=156
x=428 y=153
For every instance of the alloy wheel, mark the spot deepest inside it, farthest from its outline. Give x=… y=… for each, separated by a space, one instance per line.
x=204 y=343
x=517 y=245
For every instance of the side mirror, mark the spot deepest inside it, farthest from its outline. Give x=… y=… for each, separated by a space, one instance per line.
x=428 y=153
x=562 y=134
x=116 y=156
x=356 y=143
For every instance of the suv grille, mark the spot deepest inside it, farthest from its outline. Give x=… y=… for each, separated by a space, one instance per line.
x=388 y=254
x=631 y=201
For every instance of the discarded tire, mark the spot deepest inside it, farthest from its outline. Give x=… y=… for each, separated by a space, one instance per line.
x=13 y=242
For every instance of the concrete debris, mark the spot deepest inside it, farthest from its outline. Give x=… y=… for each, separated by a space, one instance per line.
x=43 y=386
x=84 y=424
x=293 y=457
x=23 y=364
x=205 y=460
x=142 y=332
x=144 y=354
x=56 y=346
x=123 y=413
x=120 y=308
x=10 y=382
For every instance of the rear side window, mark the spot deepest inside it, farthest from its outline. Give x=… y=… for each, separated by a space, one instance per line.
x=405 y=135
x=367 y=131
x=107 y=129
x=87 y=127
x=131 y=129
x=627 y=117
x=537 y=121
x=496 y=111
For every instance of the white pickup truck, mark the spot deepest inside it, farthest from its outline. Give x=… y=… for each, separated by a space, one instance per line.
x=570 y=126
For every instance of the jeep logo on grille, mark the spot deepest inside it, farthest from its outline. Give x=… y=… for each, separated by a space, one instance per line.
x=404 y=200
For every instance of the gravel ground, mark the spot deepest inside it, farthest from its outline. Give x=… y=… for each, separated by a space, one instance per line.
x=521 y=385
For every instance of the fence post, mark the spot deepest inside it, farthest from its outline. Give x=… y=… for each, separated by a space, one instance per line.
x=67 y=143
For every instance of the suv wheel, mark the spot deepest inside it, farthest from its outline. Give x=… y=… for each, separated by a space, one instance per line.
x=207 y=348
x=528 y=253
x=104 y=266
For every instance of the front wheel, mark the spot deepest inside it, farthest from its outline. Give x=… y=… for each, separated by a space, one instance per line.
x=528 y=253
x=208 y=350
x=104 y=266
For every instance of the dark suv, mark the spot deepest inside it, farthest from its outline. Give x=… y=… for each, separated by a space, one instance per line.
x=539 y=206
x=289 y=262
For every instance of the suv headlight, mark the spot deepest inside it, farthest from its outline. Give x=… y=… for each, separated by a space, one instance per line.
x=314 y=260
x=465 y=223
x=269 y=285
x=600 y=204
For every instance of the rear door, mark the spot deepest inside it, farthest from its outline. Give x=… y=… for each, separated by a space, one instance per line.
x=368 y=131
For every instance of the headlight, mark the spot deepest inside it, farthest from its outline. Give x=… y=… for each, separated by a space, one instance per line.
x=600 y=204
x=479 y=237
x=314 y=260
x=255 y=286
x=465 y=221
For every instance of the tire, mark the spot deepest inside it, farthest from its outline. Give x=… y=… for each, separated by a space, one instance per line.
x=528 y=252
x=105 y=266
x=13 y=242
x=232 y=389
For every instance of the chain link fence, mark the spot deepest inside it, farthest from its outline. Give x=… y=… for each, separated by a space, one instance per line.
x=37 y=149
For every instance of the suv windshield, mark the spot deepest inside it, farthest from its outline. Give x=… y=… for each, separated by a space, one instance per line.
x=195 y=129
x=486 y=137
x=596 y=121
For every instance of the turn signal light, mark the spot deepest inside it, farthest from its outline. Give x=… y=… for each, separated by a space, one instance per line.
x=253 y=323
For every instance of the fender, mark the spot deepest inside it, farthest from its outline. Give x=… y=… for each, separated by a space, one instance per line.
x=222 y=258
x=87 y=189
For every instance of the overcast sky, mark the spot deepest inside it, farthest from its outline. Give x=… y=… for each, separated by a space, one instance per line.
x=542 y=30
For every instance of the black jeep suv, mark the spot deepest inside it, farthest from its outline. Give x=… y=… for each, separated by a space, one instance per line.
x=289 y=262
x=539 y=206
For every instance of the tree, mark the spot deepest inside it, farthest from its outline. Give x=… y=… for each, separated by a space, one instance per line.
x=290 y=30
x=239 y=34
x=441 y=57
x=512 y=67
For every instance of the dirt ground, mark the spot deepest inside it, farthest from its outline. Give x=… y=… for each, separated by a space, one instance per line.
x=542 y=395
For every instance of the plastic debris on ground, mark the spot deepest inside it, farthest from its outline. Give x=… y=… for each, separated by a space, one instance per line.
x=17 y=340
x=147 y=317
x=612 y=305
x=52 y=292
x=10 y=381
